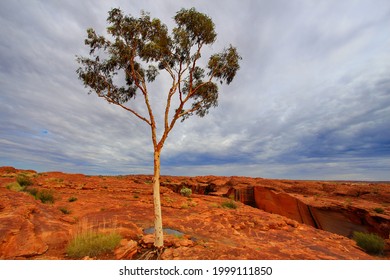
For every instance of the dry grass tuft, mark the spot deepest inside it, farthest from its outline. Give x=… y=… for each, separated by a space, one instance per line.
x=92 y=242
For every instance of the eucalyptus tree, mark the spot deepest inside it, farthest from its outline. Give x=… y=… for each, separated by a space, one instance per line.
x=127 y=60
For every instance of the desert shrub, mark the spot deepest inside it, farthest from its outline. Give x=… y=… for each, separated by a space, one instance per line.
x=46 y=196
x=371 y=243
x=32 y=191
x=379 y=210
x=65 y=210
x=229 y=204
x=92 y=244
x=15 y=186
x=24 y=180
x=186 y=192
x=184 y=206
x=72 y=199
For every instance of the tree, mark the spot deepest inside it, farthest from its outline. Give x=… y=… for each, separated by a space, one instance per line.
x=133 y=55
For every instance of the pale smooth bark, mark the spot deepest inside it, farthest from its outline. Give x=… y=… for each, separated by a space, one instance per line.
x=158 y=229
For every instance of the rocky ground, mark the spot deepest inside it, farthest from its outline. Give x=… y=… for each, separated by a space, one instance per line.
x=274 y=219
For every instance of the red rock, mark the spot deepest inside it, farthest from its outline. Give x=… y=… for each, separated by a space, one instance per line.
x=126 y=250
x=33 y=230
x=147 y=241
x=26 y=230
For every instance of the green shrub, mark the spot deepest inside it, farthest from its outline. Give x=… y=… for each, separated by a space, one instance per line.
x=379 y=210
x=46 y=196
x=371 y=243
x=32 y=191
x=15 y=186
x=186 y=192
x=229 y=204
x=72 y=199
x=184 y=206
x=92 y=244
x=24 y=180
x=65 y=210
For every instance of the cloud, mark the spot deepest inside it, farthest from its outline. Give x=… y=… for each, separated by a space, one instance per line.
x=311 y=100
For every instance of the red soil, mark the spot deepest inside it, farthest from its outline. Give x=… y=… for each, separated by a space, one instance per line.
x=304 y=220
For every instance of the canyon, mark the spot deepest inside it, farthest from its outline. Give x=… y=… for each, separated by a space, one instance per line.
x=272 y=219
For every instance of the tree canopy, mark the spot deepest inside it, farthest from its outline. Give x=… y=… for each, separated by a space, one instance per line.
x=142 y=47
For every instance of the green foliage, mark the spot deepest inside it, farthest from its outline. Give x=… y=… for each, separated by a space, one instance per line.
x=92 y=244
x=65 y=210
x=379 y=210
x=15 y=186
x=139 y=48
x=188 y=205
x=371 y=243
x=184 y=206
x=186 y=192
x=32 y=191
x=193 y=28
x=229 y=204
x=24 y=180
x=45 y=196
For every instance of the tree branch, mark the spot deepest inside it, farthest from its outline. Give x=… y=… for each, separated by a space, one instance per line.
x=110 y=100
x=193 y=65
x=189 y=111
x=172 y=91
x=137 y=77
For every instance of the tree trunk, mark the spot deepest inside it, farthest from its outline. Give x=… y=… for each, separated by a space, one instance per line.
x=158 y=229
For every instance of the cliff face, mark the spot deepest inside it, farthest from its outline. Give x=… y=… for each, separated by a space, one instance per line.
x=337 y=207
x=332 y=218
x=283 y=204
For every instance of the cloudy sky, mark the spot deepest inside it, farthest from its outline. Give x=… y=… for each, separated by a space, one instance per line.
x=311 y=100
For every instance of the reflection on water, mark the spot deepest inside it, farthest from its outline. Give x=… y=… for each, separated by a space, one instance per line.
x=166 y=231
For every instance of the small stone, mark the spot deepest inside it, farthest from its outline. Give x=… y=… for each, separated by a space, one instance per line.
x=147 y=241
x=126 y=250
x=184 y=243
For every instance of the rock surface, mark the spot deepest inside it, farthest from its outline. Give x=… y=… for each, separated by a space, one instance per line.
x=30 y=229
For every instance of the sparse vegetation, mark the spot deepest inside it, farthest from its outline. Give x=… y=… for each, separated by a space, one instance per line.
x=72 y=199
x=215 y=205
x=46 y=196
x=188 y=205
x=65 y=210
x=169 y=199
x=348 y=202
x=23 y=180
x=379 y=210
x=22 y=185
x=229 y=204
x=92 y=244
x=55 y=180
x=186 y=192
x=15 y=186
x=32 y=191
x=371 y=243
x=184 y=206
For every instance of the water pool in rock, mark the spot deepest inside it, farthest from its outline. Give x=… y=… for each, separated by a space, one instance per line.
x=166 y=231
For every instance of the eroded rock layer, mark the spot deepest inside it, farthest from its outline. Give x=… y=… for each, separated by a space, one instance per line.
x=211 y=228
